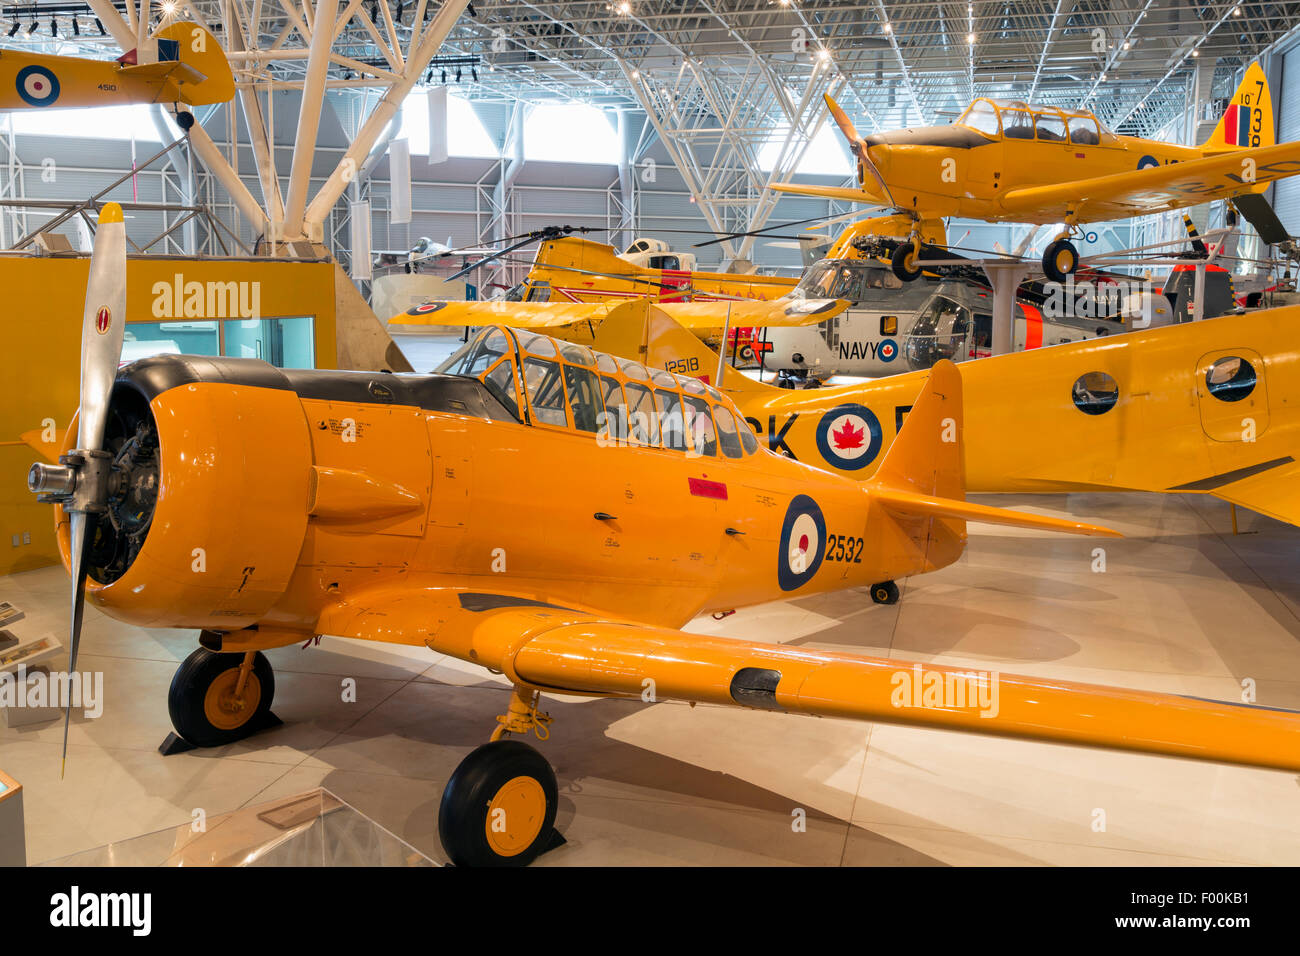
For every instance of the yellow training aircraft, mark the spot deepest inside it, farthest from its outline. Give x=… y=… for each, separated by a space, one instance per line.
x=1197 y=407
x=390 y=508
x=191 y=68
x=1005 y=161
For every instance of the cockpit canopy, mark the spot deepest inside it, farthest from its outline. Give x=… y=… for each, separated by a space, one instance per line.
x=551 y=383
x=1008 y=119
x=856 y=280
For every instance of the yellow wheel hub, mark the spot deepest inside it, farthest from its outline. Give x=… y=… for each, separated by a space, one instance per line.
x=226 y=711
x=515 y=816
x=1063 y=259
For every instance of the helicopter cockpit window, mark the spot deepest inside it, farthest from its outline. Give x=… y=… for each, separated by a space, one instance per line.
x=1050 y=127
x=538 y=292
x=1017 y=123
x=981 y=117
x=516 y=293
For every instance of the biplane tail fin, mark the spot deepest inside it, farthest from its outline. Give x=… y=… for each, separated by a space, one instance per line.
x=1248 y=120
x=637 y=329
x=191 y=67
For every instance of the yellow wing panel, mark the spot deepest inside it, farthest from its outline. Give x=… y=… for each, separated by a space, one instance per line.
x=574 y=651
x=520 y=315
x=1271 y=493
x=1154 y=189
x=847 y=193
x=556 y=315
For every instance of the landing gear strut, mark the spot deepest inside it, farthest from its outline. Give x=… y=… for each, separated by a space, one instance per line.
x=498 y=808
x=886 y=592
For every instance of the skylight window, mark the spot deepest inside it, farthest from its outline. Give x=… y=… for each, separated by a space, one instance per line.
x=92 y=122
x=465 y=133
x=571 y=133
x=825 y=156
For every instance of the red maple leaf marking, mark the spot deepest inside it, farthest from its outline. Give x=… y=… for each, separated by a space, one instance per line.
x=848 y=436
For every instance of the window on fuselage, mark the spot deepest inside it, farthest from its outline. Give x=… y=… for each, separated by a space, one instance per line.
x=1050 y=127
x=982 y=118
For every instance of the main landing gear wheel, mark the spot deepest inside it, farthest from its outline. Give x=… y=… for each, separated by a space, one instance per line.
x=886 y=592
x=499 y=806
x=1060 y=259
x=216 y=699
x=903 y=262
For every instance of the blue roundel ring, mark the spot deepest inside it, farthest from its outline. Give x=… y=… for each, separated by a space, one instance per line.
x=887 y=350
x=855 y=443
x=37 y=85
x=1148 y=161
x=803 y=544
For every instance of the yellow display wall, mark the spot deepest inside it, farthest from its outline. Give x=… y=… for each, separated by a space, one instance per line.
x=40 y=338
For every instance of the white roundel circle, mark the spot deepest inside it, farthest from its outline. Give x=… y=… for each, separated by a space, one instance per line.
x=805 y=540
x=850 y=436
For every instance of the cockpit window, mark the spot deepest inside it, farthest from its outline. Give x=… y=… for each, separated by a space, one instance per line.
x=641 y=415
x=1084 y=131
x=672 y=425
x=578 y=354
x=1050 y=127
x=606 y=362
x=666 y=379
x=747 y=438
x=1017 y=123
x=584 y=398
x=537 y=344
x=728 y=437
x=846 y=279
x=545 y=391
x=500 y=381
x=704 y=438
x=981 y=117
x=477 y=355
x=636 y=371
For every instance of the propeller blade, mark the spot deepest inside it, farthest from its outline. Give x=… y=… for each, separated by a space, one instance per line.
x=758 y=232
x=102 y=325
x=858 y=146
x=77 y=535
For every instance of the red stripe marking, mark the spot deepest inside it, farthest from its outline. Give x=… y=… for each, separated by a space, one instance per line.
x=703 y=488
x=1033 y=326
x=1230 y=125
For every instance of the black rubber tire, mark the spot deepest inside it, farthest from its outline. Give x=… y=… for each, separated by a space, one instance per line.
x=190 y=684
x=463 y=812
x=1052 y=268
x=898 y=262
x=886 y=592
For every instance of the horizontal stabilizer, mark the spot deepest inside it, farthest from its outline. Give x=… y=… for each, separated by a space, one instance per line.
x=925 y=506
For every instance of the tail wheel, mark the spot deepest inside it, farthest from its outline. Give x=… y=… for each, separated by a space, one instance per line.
x=1060 y=259
x=886 y=592
x=498 y=808
x=208 y=708
x=903 y=262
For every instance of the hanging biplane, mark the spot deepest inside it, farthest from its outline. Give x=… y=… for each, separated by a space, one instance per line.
x=1199 y=407
x=1004 y=161
x=191 y=68
x=389 y=508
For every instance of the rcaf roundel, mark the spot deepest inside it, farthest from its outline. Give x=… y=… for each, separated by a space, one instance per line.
x=887 y=350
x=849 y=436
x=37 y=86
x=803 y=544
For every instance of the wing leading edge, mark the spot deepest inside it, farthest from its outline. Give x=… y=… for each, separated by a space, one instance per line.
x=564 y=650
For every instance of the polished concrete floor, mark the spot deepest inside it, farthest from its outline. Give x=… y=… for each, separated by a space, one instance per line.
x=1183 y=606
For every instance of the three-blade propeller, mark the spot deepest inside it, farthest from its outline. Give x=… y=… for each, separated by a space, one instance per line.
x=80 y=481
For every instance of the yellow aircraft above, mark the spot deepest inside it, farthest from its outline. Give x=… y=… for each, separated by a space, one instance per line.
x=1004 y=161
x=1199 y=407
x=191 y=68
x=390 y=508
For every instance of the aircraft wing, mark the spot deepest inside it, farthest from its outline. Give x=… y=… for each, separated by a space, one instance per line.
x=745 y=313
x=847 y=193
x=166 y=70
x=575 y=651
x=520 y=315
x=1156 y=188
